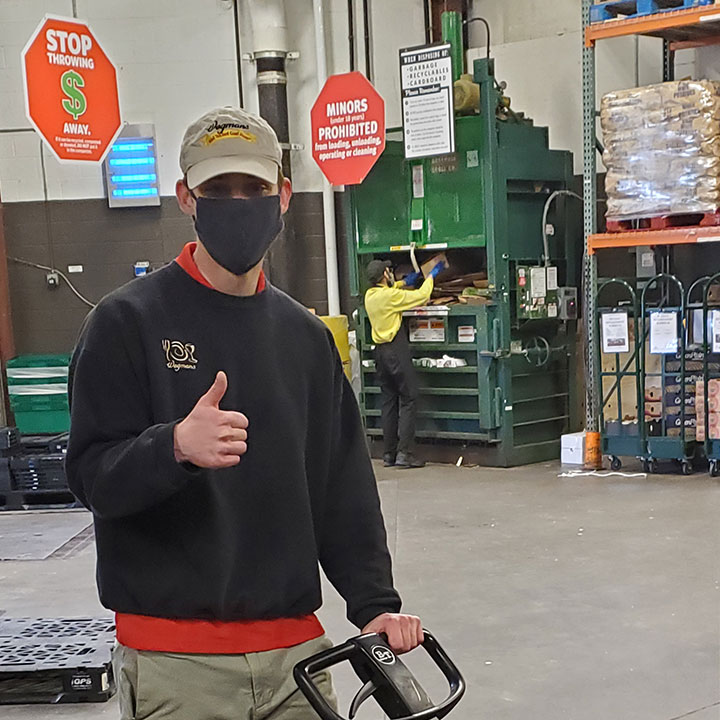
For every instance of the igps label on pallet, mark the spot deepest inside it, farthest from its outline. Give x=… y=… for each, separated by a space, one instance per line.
x=81 y=681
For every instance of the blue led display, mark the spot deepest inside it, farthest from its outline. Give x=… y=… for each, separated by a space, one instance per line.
x=135 y=192
x=131 y=168
x=130 y=147
x=132 y=161
x=147 y=177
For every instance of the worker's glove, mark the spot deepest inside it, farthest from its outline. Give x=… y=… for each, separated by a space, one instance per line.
x=437 y=270
x=412 y=279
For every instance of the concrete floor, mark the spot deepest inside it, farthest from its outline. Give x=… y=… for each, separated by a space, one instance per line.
x=559 y=598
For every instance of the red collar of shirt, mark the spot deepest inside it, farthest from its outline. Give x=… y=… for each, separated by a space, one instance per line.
x=187 y=262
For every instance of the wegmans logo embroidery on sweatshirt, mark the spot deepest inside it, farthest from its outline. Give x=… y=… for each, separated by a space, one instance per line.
x=179 y=355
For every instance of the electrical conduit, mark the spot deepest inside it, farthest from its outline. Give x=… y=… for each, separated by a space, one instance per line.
x=331 y=263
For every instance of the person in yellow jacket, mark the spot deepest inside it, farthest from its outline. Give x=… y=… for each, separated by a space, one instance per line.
x=385 y=303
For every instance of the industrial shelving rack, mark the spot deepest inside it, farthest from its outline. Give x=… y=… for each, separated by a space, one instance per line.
x=679 y=29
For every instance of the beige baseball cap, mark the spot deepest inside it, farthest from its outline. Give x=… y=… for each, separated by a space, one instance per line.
x=229 y=140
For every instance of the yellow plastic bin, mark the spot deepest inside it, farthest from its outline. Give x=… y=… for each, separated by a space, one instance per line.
x=339 y=327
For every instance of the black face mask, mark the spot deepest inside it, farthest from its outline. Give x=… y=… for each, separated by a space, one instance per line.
x=237 y=232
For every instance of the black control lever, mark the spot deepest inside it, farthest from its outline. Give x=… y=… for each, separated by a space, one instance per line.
x=385 y=678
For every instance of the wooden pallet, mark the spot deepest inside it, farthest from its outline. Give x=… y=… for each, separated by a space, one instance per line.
x=616 y=9
x=664 y=222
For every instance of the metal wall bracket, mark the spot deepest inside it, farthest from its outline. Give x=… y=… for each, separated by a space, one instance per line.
x=290 y=55
x=292 y=146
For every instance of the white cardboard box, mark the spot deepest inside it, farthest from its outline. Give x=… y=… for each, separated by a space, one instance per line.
x=572 y=449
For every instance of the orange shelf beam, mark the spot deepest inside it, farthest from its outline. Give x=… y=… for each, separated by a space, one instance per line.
x=636 y=238
x=691 y=44
x=705 y=18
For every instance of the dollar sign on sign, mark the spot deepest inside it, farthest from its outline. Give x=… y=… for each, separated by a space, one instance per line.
x=75 y=104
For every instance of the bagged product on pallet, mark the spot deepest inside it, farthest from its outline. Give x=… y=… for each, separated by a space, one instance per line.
x=662 y=149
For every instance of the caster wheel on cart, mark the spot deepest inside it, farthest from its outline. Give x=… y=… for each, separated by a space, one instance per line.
x=615 y=463
x=686 y=467
x=714 y=468
x=650 y=466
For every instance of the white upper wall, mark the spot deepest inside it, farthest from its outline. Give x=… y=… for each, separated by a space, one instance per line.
x=538 y=52
x=175 y=59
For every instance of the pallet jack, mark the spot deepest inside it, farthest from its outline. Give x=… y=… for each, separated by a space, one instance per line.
x=385 y=678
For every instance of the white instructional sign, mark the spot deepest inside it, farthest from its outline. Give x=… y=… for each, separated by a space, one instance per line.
x=615 y=336
x=664 y=332
x=427 y=101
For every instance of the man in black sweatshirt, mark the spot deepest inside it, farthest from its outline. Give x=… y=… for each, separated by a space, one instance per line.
x=220 y=449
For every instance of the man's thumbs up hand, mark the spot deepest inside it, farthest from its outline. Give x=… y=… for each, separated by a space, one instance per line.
x=210 y=437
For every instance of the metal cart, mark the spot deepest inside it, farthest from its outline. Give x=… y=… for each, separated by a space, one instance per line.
x=695 y=344
x=711 y=435
x=620 y=439
x=667 y=437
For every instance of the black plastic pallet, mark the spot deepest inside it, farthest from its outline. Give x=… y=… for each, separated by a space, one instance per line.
x=37 y=500
x=5 y=477
x=56 y=660
x=9 y=441
x=31 y=473
x=44 y=444
x=98 y=630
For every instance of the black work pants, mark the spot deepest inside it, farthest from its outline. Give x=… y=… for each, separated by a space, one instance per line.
x=399 y=387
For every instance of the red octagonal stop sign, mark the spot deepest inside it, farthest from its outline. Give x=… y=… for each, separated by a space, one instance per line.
x=71 y=92
x=348 y=128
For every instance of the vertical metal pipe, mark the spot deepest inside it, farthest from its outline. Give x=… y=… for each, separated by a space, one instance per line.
x=331 y=261
x=272 y=99
x=428 y=21
x=452 y=33
x=238 y=54
x=368 y=41
x=270 y=49
x=7 y=338
x=351 y=32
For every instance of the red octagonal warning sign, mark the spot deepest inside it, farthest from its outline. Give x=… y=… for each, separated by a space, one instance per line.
x=71 y=92
x=348 y=128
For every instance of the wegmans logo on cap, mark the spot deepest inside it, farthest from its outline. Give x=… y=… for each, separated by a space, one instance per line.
x=219 y=131
x=249 y=146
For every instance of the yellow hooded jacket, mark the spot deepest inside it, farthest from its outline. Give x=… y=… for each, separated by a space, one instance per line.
x=385 y=306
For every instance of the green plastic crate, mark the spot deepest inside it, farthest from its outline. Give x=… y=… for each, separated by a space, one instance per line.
x=40 y=408
x=42 y=422
x=33 y=361
x=40 y=402
x=38 y=369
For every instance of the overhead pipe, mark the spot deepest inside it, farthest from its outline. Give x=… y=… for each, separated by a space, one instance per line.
x=427 y=17
x=351 y=32
x=368 y=41
x=7 y=337
x=270 y=52
x=238 y=53
x=331 y=261
x=452 y=32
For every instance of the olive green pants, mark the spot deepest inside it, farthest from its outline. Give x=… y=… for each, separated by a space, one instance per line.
x=177 y=686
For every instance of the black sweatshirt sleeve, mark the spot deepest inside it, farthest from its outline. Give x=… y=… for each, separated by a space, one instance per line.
x=353 y=550
x=119 y=462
